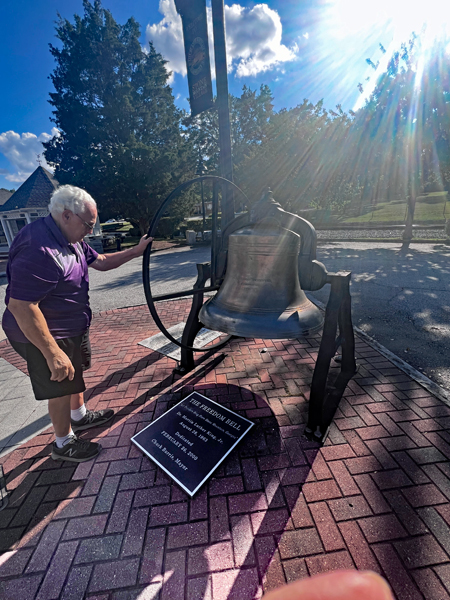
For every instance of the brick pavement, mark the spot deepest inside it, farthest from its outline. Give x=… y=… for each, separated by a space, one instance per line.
x=376 y=496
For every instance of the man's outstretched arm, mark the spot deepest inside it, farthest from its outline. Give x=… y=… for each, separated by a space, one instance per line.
x=106 y=262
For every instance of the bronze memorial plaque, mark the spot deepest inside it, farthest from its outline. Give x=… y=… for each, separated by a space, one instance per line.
x=190 y=440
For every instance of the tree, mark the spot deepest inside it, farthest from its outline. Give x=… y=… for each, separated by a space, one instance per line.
x=404 y=127
x=120 y=133
x=283 y=156
x=303 y=159
x=250 y=116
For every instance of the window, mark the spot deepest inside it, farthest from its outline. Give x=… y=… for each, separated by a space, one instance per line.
x=3 y=240
x=16 y=225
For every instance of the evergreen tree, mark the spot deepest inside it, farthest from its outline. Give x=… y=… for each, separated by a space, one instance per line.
x=120 y=131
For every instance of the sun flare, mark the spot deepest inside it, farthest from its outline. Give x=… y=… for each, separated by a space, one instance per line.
x=402 y=16
x=390 y=22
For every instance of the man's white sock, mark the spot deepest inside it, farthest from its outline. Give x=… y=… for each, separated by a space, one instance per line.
x=62 y=441
x=78 y=414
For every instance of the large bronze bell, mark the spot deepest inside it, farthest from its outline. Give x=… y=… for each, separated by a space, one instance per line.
x=261 y=296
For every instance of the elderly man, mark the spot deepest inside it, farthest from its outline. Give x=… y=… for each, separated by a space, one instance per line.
x=48 y=316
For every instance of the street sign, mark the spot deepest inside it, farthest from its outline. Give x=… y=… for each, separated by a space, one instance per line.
x=190 y=440
x=195 y=33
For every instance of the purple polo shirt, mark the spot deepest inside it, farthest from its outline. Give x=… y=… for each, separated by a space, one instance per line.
x=43 y=267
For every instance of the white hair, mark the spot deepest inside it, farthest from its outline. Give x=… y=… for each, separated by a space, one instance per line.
x=71 y=198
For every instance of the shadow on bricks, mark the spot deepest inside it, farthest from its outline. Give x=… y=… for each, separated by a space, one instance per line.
x=23 y=478
x=253 y=501
x=254 y=505
x=266 y=509
x=375 y=496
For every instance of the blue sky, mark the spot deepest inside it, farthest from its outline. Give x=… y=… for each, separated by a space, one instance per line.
x=301 y=48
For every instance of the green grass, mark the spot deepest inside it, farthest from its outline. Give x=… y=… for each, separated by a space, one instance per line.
x=429 y=210
x=122 y=228
x=128 y=242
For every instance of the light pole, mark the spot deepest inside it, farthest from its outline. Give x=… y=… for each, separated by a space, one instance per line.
x=220 y=59
x=199 y=174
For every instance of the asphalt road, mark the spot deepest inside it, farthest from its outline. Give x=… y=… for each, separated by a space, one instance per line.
x=400 y=299
x=170 y=271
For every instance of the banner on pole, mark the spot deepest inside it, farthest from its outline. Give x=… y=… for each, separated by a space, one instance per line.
x=195 y=33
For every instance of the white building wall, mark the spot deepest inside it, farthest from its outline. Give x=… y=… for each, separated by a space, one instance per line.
x=7 y=221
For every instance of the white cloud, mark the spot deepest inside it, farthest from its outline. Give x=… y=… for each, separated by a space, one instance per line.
x=253 y=39
x=167 y=37
x=21 y=150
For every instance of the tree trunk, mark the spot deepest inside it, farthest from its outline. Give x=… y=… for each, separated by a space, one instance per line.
x=408 y=232
x=143 y=225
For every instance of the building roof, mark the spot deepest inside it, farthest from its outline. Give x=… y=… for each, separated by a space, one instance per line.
x=35 y=192
x=4 y=195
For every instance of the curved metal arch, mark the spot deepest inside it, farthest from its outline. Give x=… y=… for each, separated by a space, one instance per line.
x=146 y=261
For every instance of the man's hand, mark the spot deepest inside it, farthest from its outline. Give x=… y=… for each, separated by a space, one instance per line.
x=60 y=366
x=106 y=262
x=143 y=243
x=34 y=326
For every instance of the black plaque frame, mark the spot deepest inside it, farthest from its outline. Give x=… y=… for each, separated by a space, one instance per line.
x=201 y=422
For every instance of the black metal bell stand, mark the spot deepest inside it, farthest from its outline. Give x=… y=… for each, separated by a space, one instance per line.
x=324 y=400
x=4 y=500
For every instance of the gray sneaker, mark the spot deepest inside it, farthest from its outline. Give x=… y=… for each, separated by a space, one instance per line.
x=92 y=418
x=76 y=450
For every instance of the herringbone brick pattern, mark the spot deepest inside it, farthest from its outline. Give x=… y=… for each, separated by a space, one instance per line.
x=376 y=496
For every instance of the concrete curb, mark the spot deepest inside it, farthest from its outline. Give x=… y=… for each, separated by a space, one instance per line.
x=419 y=377
x=8 y=449
x=324 y=240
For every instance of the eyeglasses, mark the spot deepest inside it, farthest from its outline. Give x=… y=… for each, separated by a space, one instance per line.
x=88 y=226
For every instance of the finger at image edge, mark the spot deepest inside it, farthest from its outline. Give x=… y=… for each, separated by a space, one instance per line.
x=337 y=585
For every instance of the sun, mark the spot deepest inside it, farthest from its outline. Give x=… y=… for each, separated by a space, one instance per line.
x=390 y=22
x=402 y=16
